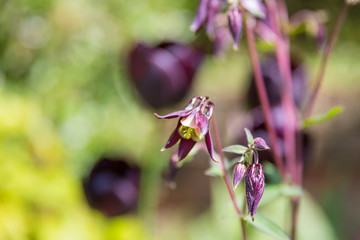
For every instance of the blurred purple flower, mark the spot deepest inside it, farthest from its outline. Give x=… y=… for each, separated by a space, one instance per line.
x=273 y=83
x=163 y=74
x=112 y=187
x=208 y=10
x=314 y=22
x=254 y=183
x=193 y=126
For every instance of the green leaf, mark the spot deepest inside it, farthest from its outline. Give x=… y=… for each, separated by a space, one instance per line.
x=238 y=149
x=323 y=117
x=249 y=136
x=265 y=225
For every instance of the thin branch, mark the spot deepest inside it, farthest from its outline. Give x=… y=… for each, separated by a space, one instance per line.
x=226 y=175
x=264 y=100
x=328 y=49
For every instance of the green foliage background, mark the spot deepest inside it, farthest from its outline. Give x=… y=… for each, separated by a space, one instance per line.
x=65 y=101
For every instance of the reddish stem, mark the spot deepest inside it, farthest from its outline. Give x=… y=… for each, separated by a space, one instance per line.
x=284 y=64
x=264 y=100
x=223 y=168
x=226 y=175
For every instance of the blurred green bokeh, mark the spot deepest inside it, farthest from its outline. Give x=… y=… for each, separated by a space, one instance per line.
x=65 y=101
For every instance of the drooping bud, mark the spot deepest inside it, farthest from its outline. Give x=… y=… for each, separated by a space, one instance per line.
x=254 y=183
x=235 y=24
x=260 y=144
x=239 y=172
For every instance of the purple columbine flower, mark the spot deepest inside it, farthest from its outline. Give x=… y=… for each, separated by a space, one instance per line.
x=254 y=183
x=239 y=172
x=260 y=144
x=193 y=126
x=112 y=186
x=163 y=74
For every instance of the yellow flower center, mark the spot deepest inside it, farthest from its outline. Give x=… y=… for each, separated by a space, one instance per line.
x=188 y=132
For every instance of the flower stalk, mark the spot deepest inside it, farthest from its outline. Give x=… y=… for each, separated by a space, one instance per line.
x=325 y=58
x=259 y=81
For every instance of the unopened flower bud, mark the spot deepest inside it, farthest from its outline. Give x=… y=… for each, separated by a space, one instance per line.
x=254 y=183
x=239 y=172
x=260 y=144
x=235 y=24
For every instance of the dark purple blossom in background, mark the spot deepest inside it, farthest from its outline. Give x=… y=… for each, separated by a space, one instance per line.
x=273 y=83
x=254 y=184
x=193 y=126
x=163 y=74
x=112 y=187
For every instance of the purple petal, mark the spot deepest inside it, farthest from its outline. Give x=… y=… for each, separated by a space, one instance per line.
x=174 y=138
x=209 y=146
x=235 y=24
x=255 y=7
x=181 y=113
x=202 y=122
x=212 y=11
x=200 y=16
x=185 y=147
x=191 y=104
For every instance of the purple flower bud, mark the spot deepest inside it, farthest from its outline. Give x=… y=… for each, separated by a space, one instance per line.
x=239 y=172
x=235 y=24
x=112 y=187
x=254 y=183
x=260 y=144
x=163 y=74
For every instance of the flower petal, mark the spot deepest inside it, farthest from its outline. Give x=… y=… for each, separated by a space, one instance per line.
x=255 y=7
x=209 y=146
x=185 y=146
x=181 y=113
x=200 y=16
x=173 y=139
x=202 y=122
